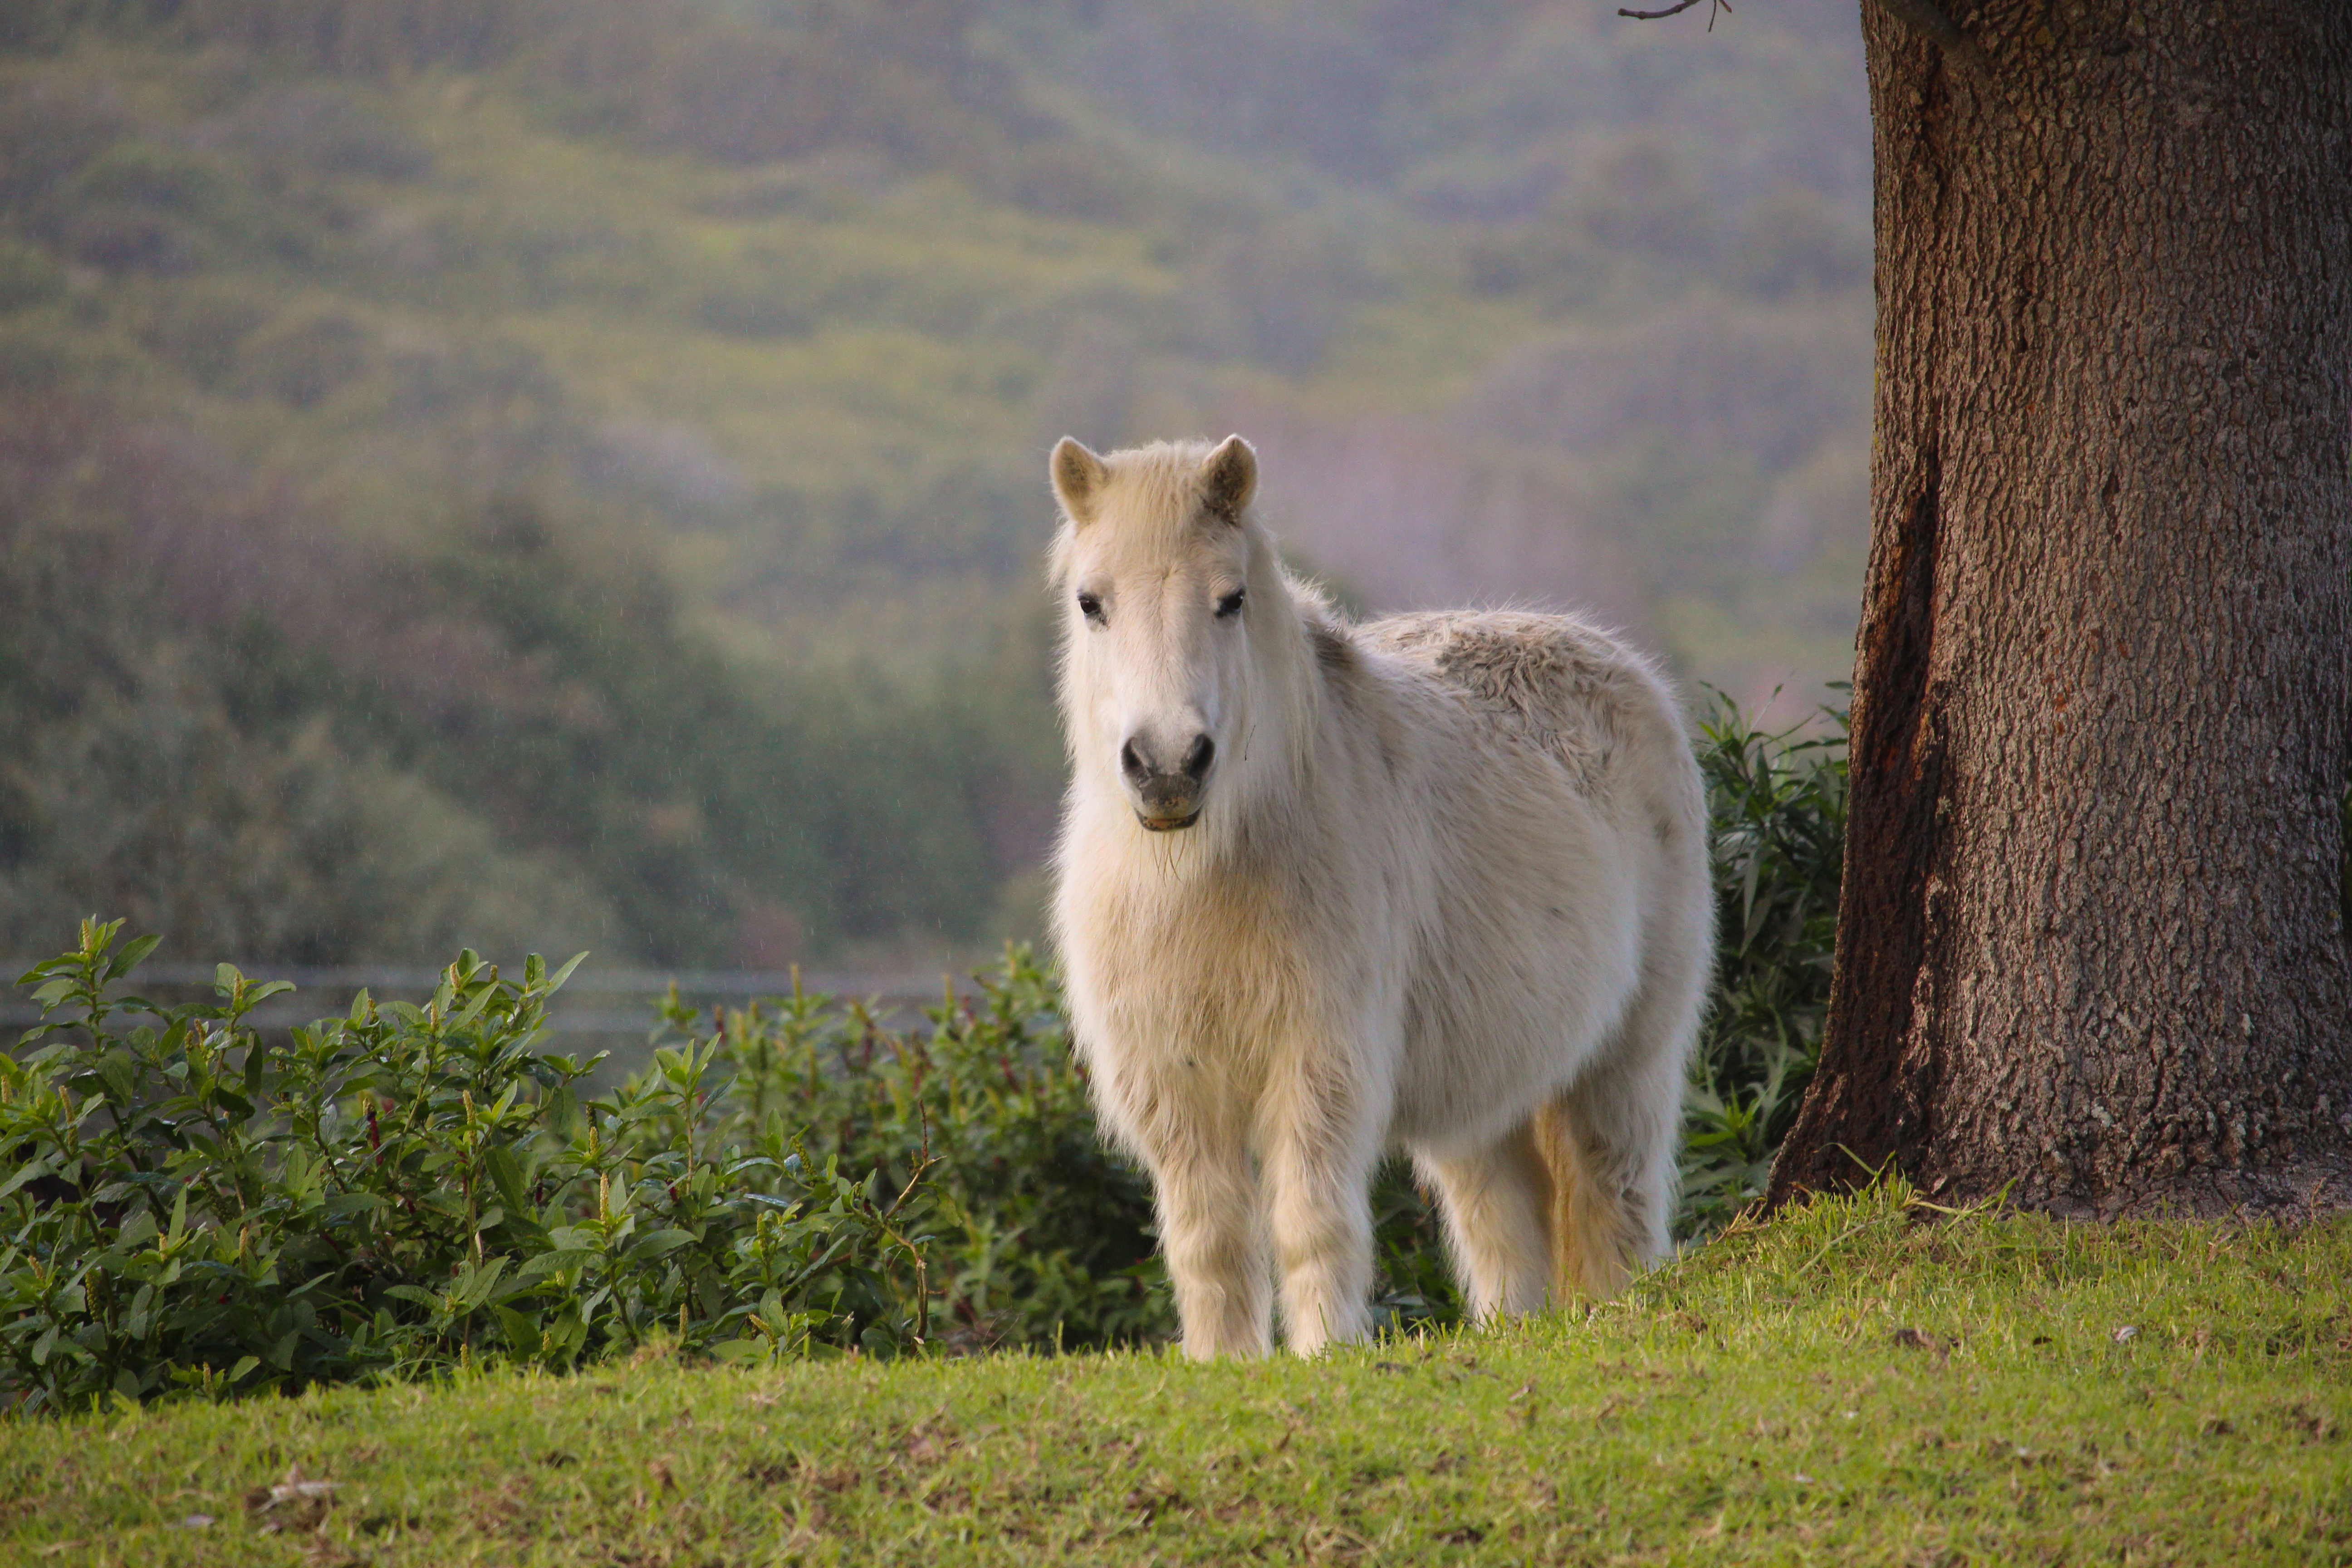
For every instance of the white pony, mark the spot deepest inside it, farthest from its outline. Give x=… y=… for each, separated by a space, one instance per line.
x=1436 y=882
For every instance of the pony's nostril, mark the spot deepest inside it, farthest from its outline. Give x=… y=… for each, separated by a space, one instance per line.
x=1131 y=763
x=1197 y=760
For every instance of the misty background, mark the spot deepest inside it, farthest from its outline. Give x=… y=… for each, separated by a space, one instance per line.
x=561 y=474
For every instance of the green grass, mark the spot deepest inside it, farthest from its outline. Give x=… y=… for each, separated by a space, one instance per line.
x=1861 y=1381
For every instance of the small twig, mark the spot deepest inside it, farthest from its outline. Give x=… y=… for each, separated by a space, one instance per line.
x=923 y=1162
x=1675 y=10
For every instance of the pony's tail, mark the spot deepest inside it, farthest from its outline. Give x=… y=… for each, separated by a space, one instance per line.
x=1598 y=1237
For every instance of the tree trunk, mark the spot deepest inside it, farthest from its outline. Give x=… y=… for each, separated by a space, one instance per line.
x=2090 y=941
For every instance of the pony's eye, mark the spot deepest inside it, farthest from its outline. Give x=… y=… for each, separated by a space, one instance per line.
x=1090 y=608
x=1230 y=606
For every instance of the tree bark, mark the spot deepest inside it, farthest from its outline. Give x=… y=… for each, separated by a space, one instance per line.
x=2089 y=948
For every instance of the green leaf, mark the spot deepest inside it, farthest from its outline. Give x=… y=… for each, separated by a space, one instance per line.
x=751 y=1348
x=257 y=1063
x=473 y=1009
x=659 y=1244
x=562 y=1260
x=131 y=957
x=31 y=1171
x=522 y=1332
x=506 y=1174
x=246 y=1364
x=474 y=1285
x=119 y=1070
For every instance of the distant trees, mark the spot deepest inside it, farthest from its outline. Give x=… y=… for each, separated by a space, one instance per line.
x=261 y=739
x=357 y=37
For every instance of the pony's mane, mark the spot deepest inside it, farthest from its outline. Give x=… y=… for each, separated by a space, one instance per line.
x=1162 y=479
x=1312 y=599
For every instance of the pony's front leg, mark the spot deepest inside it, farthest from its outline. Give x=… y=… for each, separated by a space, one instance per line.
x=1211 y=1230
x=1320 y=1149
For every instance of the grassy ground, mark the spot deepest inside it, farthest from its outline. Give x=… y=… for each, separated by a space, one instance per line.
x=1860 y=1382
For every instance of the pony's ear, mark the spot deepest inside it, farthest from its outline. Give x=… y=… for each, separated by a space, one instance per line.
x=1079 y=477
x=1229 y=477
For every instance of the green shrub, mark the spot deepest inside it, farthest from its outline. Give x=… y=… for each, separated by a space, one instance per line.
x=407 y=1187
x=195 y=1208
x=1776 y=805
x=1041 y=1235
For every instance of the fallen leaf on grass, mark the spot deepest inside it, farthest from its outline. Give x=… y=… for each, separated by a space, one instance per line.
x=2125 y=1334
x=931 y=1440
x=295 y=1503
x=1914 y=1339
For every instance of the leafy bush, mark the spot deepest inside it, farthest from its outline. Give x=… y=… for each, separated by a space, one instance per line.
x=195 y=1208
x=1776 y=805
x=1040 y=1233
x=407 y=1187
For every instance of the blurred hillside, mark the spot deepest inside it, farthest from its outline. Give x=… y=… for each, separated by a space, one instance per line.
x=568 y=472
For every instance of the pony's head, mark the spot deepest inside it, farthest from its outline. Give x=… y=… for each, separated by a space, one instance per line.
x=1173 y=606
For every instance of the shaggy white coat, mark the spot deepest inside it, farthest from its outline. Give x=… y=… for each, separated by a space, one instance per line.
x=1447 y=891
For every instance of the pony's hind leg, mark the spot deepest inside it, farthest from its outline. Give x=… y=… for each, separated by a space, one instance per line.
x=1497 y=1204
x=1611 y=1141
x=1612 y=1136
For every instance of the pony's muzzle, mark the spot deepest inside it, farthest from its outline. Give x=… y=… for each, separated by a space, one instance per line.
x=1167 y=799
